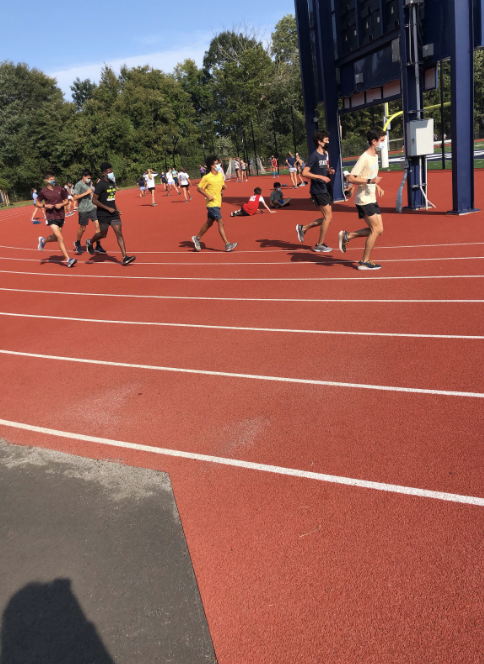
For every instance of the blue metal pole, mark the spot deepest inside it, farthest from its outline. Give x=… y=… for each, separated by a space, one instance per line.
x=330 y=91
x=307 y=72
x=462 y=97
x=411 y=102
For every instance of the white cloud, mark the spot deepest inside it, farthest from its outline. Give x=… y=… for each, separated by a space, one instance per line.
x=164 y=60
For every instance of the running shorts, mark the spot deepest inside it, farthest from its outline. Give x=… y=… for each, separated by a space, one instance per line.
x=56 y=222
x=214 y=214
x=368 y=210
x=322 y=199
x=106 y=222
x=84 y=217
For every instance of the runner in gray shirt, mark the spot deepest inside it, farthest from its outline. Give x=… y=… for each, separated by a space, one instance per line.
x=87 y=210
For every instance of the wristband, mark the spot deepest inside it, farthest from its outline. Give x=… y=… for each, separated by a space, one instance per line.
x=368 y=181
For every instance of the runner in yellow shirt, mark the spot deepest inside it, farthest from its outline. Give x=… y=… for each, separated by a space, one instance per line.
x=211 y=186
x=365 y=175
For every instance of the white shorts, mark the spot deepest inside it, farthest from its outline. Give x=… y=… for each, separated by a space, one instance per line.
x=170 y=181
x=293 y=170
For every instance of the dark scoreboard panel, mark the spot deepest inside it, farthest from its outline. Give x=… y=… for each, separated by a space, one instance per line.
x=362 y=32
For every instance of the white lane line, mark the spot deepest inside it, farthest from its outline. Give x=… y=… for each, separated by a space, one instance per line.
x=249 y=465
x=356 y=279
x=276 y=251
x=327 y=261
x=246 y=329
x=224 y=374
x=238 y=299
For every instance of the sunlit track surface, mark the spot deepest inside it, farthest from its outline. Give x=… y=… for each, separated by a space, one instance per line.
x=322 y=427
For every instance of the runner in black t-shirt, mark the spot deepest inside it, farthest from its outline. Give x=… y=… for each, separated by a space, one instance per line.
x=108 y=214
x=317 y=170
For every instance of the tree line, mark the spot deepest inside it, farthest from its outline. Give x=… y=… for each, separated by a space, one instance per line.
x=245 y=98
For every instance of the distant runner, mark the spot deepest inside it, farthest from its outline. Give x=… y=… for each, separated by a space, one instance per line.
x=53 y=198
x=211 y=186
x=108 y=214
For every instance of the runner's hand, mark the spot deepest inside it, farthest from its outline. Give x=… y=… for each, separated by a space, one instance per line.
x=380 y=191
x=324 y=178
x=49 y=207
x=210 y=198
x=332 y=171
x=111 y=210
x=376 y=180
x=58 y=206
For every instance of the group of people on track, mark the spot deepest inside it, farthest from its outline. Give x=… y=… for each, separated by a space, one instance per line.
x=97 y=203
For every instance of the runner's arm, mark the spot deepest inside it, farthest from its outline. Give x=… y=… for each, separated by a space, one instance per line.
x=307 y=174
x=204 y=193
x=353 y=179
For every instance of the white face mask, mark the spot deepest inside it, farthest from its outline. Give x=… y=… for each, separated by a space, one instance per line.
x=87 y=180
x=381 y=145
x=278 y=189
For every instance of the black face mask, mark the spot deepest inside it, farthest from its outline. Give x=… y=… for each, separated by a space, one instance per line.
x=326 y=146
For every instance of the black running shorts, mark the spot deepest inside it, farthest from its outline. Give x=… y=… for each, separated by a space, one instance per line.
x=368 y=210
x=321 y=200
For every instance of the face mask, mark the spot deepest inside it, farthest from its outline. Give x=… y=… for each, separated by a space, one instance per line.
x=381 y=145
x=87 y=180
x=111 y=176
x=52 y=182
x=278 y=189
x=326 y=146
x=218 y=168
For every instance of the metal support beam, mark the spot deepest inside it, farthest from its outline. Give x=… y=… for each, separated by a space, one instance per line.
x=462 y=96
x=326 y=56
x=412 y=86
x=307 y=73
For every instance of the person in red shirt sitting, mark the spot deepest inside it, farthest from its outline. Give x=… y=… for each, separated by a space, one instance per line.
x=252 y=207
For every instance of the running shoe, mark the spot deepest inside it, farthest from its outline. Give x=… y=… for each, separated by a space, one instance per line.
x=128 y=259
x=77 y=247
x=300 y=232
x=154 y=204
x=196 y=242
x=343 y=241
x=322 y=249
x=41 y=244
x=71 y=262
x=89 y=247
x=369 y=265
x=231 y=246
x=99 y=249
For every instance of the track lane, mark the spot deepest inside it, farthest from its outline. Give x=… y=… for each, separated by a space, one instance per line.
x=439 y=364
x=410 y=318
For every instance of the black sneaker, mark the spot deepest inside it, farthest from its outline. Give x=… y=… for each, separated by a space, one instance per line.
x=77 y=247
x=128 y=259
x=71 y=262
x=89 y=247
x=99 y=249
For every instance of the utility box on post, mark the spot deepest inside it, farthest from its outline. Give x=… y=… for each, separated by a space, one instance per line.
x=421 y=138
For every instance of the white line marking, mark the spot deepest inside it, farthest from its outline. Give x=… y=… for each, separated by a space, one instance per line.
x=248 y=465
x=275 y=251
x=358 y=279
x=238 y=299
x=327 y=261
x=224 y=374
x=246 y=329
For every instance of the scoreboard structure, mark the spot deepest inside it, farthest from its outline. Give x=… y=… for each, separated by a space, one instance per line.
x=360 y=53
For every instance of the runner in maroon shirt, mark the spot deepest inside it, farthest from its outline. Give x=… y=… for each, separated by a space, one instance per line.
x=53 y=199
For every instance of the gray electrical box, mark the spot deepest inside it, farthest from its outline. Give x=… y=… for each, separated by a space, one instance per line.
x=421 y=138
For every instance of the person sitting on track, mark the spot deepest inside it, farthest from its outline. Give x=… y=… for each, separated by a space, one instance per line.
x=252 y=207
x=277 y=197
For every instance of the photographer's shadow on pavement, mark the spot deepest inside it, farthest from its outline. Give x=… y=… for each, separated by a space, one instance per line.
x=43 y=623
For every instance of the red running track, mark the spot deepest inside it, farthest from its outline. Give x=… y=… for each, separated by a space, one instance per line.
x=290 y=568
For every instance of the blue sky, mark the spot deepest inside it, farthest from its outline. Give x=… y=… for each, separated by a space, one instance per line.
x=72 y=40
